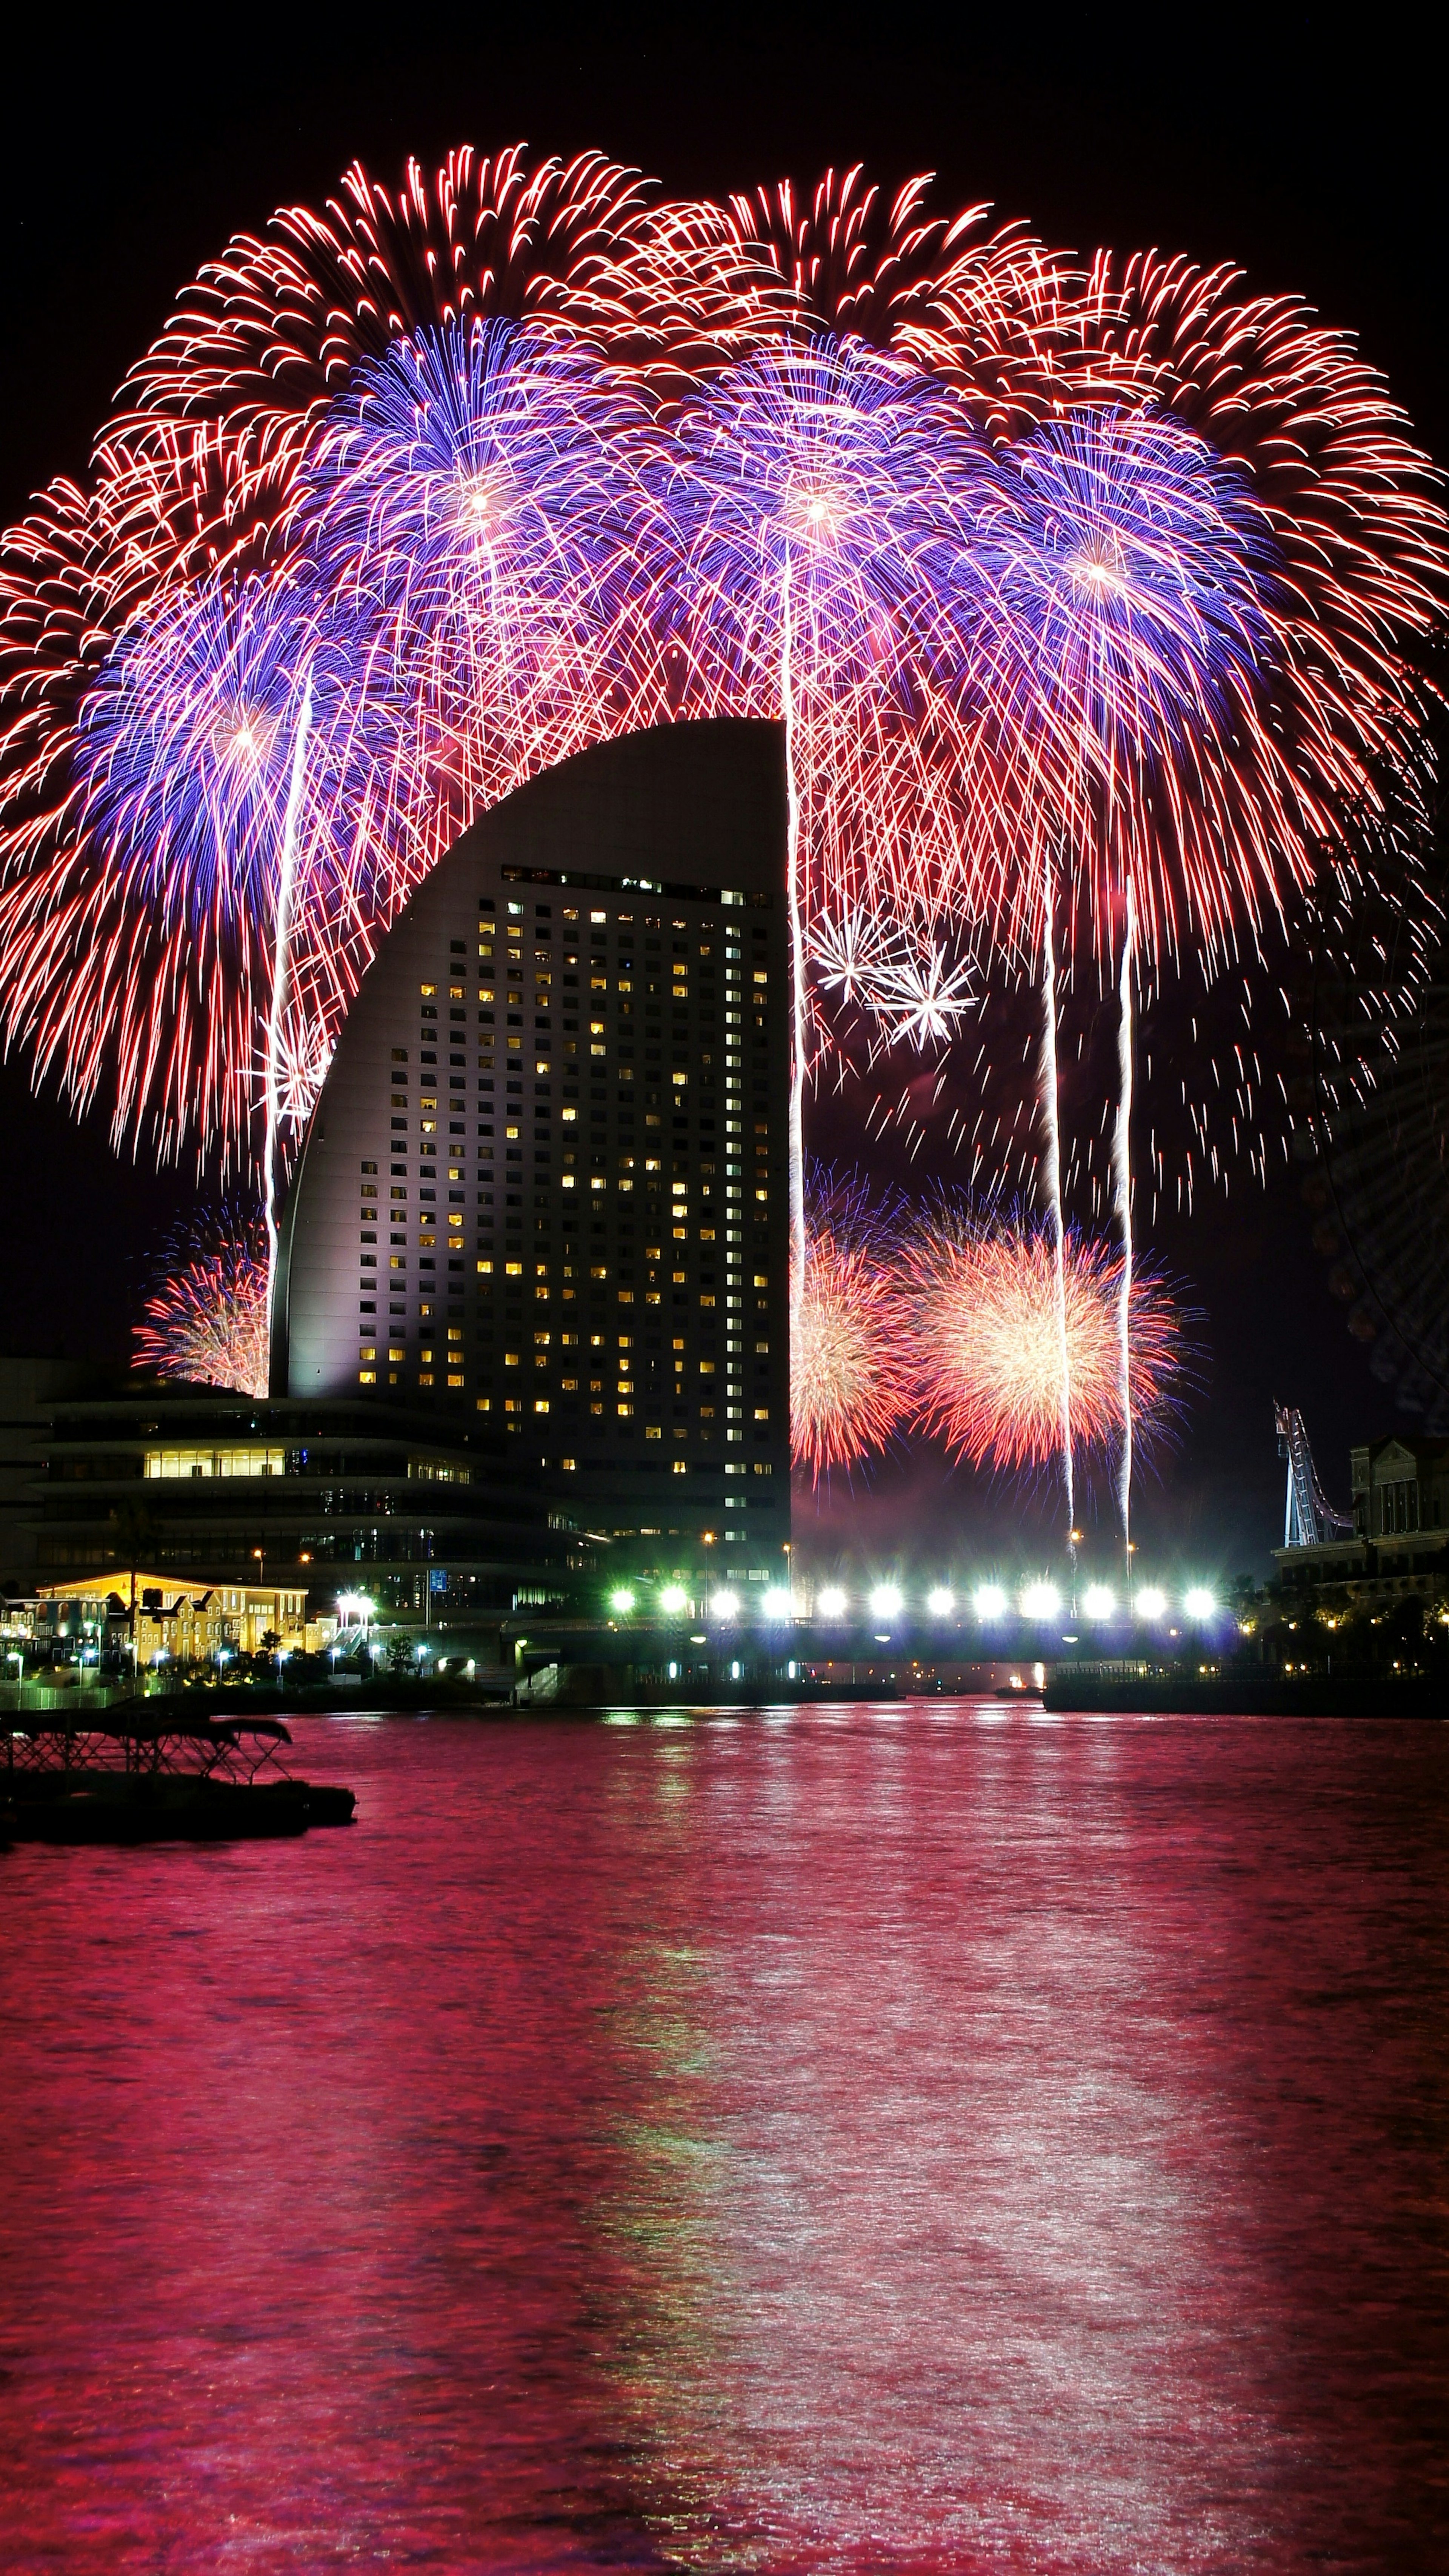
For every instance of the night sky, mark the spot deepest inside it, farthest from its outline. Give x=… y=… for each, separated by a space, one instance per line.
x=133 y=152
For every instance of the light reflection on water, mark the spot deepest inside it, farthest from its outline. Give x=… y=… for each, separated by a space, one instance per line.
x=911 y=2137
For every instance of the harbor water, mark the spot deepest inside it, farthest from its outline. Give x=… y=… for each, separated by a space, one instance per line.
x=919 y=2137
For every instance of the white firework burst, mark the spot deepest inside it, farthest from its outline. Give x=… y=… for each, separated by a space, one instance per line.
x=908 y=986
x=304 y=1053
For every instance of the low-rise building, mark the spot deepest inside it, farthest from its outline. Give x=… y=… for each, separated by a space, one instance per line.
x=139 y=1613
x=296 y=1502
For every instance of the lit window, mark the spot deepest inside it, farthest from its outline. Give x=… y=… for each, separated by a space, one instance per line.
x=367 y=1377
x=680 y=1467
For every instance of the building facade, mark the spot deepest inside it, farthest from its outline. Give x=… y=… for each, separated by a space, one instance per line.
x=137 y=1617
x=212 y=1491
x=543 y=1195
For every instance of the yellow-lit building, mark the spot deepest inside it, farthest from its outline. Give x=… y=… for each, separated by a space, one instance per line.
x=186 y=1622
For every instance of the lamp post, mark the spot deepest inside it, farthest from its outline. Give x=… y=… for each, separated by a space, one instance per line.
x=707 y=1542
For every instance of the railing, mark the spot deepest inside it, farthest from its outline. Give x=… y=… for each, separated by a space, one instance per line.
x=235 y=1749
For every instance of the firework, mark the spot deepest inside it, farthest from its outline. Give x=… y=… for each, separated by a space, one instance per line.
x=141 y=955
x=1079 y=592
x=206 y=1322
x=1121 y=654
x=909 y=987
x=807 y=502
x=849 y=1363
x=987 y=1326
x=473 y=510
x=979 y=310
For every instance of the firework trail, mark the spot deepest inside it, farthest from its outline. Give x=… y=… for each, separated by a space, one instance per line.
x=206 y=1322
x=1129 y=586
x=1122 y=1182
x=1049 y=1091
x=286 y=878
x=805 y=503
x=988 y=1299
x=850 y=1368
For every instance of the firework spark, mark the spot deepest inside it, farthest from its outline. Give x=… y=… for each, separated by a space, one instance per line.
x=206 y=1323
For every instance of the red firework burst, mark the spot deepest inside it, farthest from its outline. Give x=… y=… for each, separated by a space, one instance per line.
x=987 y=1332
x=850 y=1372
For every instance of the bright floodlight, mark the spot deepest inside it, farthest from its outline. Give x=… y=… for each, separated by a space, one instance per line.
x=1199 y=1603
x=776 y=1603
x=1041 y=1601
x=1100 y=1602
x=940 y=1601
x=726 y=1605
x=885 y=1601
x=1151 y=1603
x=990 y=1601
x=622 y=1600
x=673 y=1597
x=831 y=1601
x=355 y=1605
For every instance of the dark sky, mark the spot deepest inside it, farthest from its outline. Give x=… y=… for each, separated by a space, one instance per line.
x=133 y=149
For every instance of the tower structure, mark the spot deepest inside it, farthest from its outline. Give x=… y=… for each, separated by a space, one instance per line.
x=1308 y=1516
x=544 y=1186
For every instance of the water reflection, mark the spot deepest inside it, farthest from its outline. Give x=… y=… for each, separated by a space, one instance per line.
x=907 y=2138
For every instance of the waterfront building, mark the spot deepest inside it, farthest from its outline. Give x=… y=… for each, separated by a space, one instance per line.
x=139 y=1615
x=209 y=1490
x=543 y=1194
x=1398 y=1546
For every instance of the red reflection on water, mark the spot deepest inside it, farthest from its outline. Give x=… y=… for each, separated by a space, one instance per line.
x=933 y=2139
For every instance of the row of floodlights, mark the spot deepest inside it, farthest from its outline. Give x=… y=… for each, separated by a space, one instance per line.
x=989 y=1601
